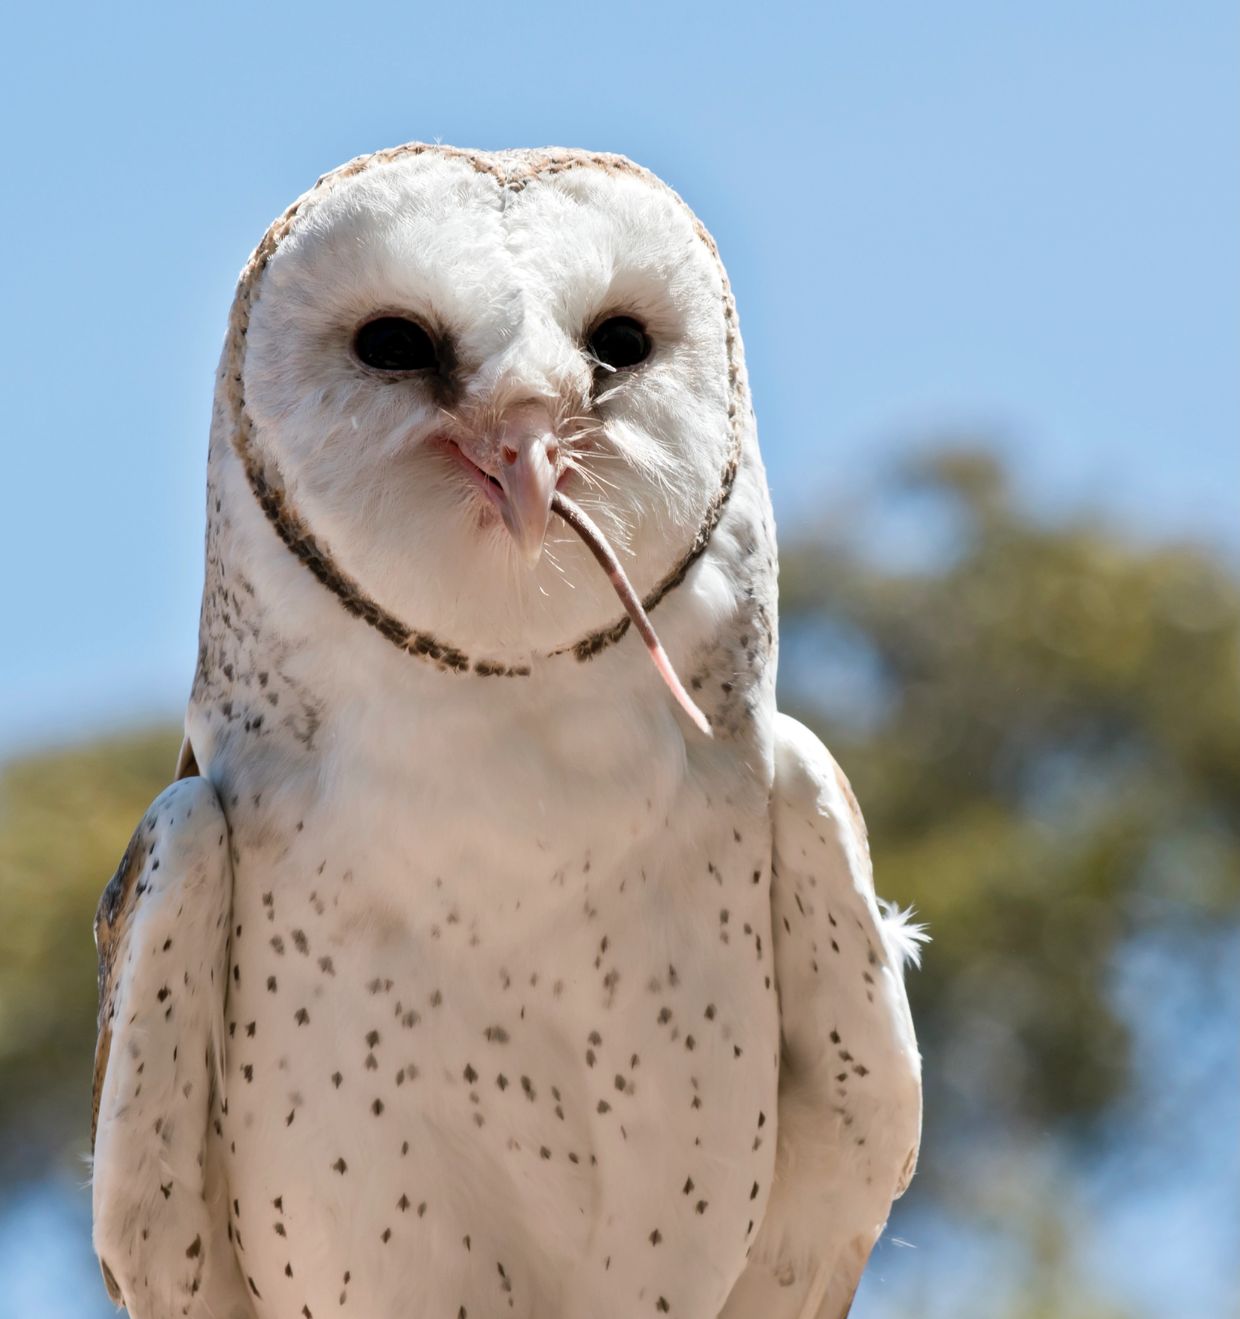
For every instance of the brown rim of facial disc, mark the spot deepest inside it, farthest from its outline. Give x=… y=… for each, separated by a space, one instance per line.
x=268 y=485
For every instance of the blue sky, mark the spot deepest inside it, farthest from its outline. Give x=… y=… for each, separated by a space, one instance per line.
x=1013 y=220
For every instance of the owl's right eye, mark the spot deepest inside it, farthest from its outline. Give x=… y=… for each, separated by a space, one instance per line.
x=394 y=343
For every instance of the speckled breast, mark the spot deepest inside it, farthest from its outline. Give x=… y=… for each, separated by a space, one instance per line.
x=547 y=1094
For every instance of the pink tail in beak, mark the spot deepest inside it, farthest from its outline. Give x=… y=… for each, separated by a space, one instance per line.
x=602 y=551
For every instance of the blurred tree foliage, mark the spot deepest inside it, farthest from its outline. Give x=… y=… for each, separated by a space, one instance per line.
x=1041 y=722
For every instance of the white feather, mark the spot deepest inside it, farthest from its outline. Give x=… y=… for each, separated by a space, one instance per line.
x=902 y=934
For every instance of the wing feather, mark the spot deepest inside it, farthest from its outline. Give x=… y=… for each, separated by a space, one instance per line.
x=849 y=1116
x=160 y=1220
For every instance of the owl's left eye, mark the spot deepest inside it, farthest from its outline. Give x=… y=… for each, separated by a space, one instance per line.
x=619 y=342
x=394 y=343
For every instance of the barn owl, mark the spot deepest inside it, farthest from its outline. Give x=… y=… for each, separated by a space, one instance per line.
x=474 y=965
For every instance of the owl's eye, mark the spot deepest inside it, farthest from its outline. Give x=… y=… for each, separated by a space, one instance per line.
x=619 y=341
x=393 y=343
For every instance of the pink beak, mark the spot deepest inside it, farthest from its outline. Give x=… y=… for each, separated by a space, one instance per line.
x=528 y=454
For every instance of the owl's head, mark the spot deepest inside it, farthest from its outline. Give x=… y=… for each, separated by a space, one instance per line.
x=432 y=342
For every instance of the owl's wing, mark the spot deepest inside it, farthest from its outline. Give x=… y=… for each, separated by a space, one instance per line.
x=160 y=1214
x=849 y=1116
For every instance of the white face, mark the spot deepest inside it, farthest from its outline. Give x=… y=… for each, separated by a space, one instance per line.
x=419 y=328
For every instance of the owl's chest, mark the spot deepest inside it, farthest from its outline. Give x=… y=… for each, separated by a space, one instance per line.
x=526 y=1084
